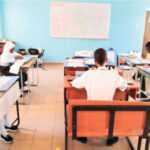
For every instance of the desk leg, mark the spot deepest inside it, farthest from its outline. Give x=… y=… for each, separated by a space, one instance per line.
x=65 y=106
x=127 y=96
x=37 y=67
x=28 y=85
x=21 y=76
x=33 y=75
x=136 y=74
x=65 y=117
x=141 y=86
x=28 y=82
x=18 y=115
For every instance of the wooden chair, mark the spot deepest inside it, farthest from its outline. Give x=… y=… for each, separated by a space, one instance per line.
x=71 y=71
x=88 y=118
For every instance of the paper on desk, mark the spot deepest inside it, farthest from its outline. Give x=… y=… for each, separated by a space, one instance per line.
x=75 y=62
x=16 y=66
x=90 y=61
x=84 y=53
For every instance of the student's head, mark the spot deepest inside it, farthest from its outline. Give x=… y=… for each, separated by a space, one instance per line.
x=100 y=57
x=11 y=50
x=147 y=46
x=9 y=47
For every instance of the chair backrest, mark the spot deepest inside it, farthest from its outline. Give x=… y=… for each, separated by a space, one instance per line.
x=33 y=51
x=71 y=71
x=88 y=118
x=74 y=93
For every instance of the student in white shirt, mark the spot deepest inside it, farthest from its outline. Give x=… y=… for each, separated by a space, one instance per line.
x=8 y=57
x=100 y=84
x=143 y=83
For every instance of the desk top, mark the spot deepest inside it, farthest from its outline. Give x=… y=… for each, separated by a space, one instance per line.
x=137 y=61
x=82 y=63
x=8 y=82
x=145 y=70
x=29 y=63
x=5 y=88
x=67 y=84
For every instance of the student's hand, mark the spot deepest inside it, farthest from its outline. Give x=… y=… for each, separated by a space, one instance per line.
x=18 y=57
x=128 y=89
x=1 y=74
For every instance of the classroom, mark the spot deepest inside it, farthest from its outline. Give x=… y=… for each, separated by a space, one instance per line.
x=74 y=74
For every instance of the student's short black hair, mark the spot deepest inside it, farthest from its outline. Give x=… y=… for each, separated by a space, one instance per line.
x=147 y=46
x=100 y=56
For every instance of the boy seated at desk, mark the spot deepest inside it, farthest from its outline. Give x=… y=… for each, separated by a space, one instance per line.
x=8 y=57
x=143 y=83
x=100 y=84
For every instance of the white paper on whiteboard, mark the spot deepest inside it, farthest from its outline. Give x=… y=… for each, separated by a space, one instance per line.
x=80 y=20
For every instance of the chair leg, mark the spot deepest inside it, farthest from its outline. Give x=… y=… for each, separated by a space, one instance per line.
x=139 y=143
x=18 y=115
x=147 y=143
x=66 y=139
x=130 y=143
x=65 y=108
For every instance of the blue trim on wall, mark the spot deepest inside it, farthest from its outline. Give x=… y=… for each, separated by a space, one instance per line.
x=27 y=23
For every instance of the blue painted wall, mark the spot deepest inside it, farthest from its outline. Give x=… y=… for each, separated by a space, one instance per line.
x=27 y=23
x=1 y=20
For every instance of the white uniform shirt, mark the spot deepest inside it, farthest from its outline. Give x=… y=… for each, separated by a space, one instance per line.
x=9 y=58
x=100 y=84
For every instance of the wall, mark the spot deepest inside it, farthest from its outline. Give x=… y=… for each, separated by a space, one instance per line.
x=1 y=20
x=27 y=23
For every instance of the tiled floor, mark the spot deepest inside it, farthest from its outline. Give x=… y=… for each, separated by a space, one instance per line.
x=42 y=119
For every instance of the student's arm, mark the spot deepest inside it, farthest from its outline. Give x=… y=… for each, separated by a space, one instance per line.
x=121 y=83
x=80 y=82
x=17 y=56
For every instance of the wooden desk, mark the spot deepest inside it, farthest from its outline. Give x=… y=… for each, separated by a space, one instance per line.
x=7 y=100
x=26 y=66
x=29 y=63
x=71 y=93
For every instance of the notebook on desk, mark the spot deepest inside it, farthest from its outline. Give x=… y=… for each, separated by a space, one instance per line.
x=124 y=67
x=6 y=82
x=79 y=73
x=83 y=54
x=138 y=61
x=129 y=81
x=147 y=70
x=26 y=59
x=74 y=63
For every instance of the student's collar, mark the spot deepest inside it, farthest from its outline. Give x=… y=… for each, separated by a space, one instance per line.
x=102 y=68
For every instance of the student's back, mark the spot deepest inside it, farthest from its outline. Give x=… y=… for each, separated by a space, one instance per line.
x=100 y=84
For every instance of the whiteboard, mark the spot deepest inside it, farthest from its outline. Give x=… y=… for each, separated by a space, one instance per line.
x=79 y=20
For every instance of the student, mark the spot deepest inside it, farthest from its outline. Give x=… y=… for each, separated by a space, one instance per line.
x=6 y=126
x=143 y=86
x=100 y=84
x=8 y=57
